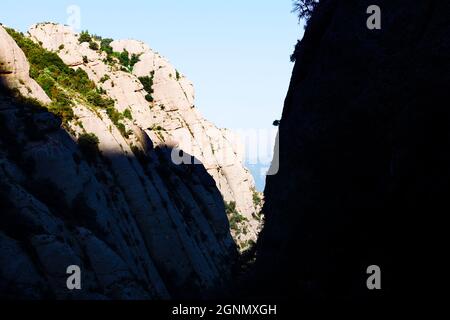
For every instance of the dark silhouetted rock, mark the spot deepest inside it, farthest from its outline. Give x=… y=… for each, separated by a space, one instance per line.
x=364 y=156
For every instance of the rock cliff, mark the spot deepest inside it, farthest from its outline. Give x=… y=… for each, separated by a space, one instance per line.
x=364 y=156
x=166 y=114
x=14 y=69
x=90 y=135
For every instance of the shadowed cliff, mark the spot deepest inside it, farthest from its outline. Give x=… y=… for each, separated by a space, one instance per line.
x=139 y=227
x=364 y=156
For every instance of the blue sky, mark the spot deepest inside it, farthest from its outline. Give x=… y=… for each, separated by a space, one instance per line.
x=235 y=51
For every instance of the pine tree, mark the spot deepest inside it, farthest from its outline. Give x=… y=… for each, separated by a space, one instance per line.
x=305 y=8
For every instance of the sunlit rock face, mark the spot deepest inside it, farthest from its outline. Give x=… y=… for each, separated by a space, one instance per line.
x=172 y=111
x=139 y=224
x=364 y=157
x=14 y=70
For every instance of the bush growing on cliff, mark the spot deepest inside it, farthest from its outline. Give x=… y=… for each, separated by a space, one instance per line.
x=85 y=37
x=230 y=207
x=38 y=57
x=157 y=128
x=56 y=78
x=62 y=110
x=88 y=143
x=147 y=82
x=234 y=216
x=149 y=98
x=46 y=82
x=105 y=78
x=93 y=45
x=116 y=118
x=257 y=200
x=134 y=59
x=127 y=114
x=98 y=100
x=305 y=8
x=80 y=82
x=105 y=45
x=124 y=58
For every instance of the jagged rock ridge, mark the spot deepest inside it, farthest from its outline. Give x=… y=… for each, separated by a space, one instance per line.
x=169 y=119
x=138 y=225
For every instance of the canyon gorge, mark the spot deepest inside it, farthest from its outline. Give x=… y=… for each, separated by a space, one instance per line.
x=106 y=163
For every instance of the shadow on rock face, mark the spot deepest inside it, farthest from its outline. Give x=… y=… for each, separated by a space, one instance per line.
x=138 y=226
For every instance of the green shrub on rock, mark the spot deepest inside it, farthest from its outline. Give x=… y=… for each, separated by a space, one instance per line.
x=93 y=45
x=127 y=114
x=235 y=218
x=105 y=45
x=85 y=37
x=88 y=143
x=147 y=83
